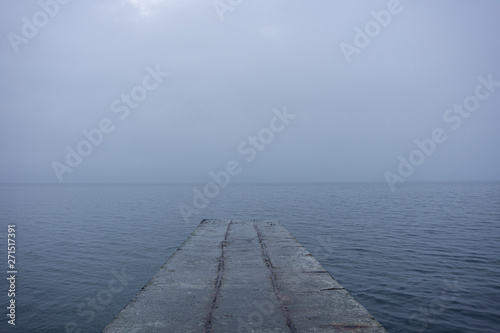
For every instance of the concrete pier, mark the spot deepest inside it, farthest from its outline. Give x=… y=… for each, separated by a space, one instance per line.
x=243 y=276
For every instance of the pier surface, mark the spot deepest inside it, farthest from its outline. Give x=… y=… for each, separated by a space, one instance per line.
x=243 y=276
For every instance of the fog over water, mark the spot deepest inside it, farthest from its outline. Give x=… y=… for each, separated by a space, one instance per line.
x=364 y=79
x=369 y=128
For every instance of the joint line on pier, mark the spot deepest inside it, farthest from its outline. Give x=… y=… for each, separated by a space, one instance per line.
x=269 y=265
x=220 y=274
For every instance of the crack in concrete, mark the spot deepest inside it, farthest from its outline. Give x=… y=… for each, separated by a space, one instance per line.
x=220 y=274
x=269 y=265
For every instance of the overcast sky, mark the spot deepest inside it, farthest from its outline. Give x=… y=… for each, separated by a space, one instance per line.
x=359 y=102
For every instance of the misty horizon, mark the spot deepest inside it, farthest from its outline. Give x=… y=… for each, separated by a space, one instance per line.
x=167 y=92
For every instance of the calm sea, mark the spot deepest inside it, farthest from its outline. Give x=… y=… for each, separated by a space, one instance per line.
x=425 y=258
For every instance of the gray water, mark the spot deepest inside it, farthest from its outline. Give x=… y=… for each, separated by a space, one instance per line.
x=425 y=258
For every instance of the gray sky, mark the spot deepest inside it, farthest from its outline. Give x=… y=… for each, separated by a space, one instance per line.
x=353 y=119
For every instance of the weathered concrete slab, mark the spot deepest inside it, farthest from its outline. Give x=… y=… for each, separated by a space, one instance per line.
x=243 y=276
